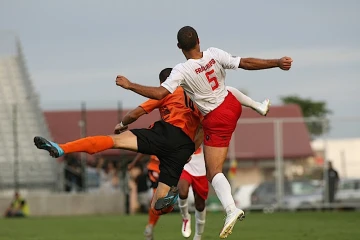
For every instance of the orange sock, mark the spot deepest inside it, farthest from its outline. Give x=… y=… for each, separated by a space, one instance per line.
x=153 y=218
x=89 y=145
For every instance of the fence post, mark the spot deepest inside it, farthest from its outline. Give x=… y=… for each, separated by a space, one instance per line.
x=279 y=162
x=125 y=175
x=16 y=149
x=83 y=133
x=326 y=162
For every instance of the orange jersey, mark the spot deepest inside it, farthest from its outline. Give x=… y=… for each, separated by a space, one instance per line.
x=178 y=110
x=153 y=164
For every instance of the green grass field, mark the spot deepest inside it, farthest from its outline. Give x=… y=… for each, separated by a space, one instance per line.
x=279 y=226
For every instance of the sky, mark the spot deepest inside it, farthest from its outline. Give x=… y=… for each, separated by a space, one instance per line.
x=75 y=48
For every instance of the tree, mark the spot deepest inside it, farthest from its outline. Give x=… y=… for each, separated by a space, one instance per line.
x=311 y=108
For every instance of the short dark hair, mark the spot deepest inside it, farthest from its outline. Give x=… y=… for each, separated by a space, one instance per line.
x=164 y=74
x=187 y=38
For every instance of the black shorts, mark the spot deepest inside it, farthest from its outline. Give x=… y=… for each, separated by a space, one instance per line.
x=170 y=144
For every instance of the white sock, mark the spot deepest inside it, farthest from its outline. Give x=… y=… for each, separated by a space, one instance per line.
x=223 y=190
x=200 y=221
x=184 y=210
x=243 y=99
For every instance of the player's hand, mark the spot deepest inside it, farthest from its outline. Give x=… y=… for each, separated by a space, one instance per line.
x=285 y=63
x=119 y=129
x=122 y=82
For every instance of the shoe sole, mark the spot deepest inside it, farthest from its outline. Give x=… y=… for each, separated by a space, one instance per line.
x=228 y=229
x=42 y=143
x=166 y=202
x=268 y=108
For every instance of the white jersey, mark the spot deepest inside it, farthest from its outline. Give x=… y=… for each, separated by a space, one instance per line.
x=196 y=166
x=203 y=79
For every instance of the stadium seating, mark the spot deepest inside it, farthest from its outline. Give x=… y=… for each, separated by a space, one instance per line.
x=35 y=168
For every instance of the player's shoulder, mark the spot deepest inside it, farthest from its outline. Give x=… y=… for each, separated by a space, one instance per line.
x=215 y=52
x=178 y=67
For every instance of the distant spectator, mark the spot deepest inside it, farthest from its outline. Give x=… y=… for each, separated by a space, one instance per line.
x=18 y=207
x=109 y=178
x=73 y=173
x=143 y=184
x=333 y=182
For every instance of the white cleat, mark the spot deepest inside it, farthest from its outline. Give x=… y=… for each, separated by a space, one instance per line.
x=148 y=233
x=186 y=227
x=264 y=107
x=230 y=221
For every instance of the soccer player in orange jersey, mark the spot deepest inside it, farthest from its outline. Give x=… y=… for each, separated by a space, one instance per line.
x=173 y=140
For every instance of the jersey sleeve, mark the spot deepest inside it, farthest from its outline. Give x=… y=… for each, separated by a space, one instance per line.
x=150 y=105
x=225 y=59
x=174 y=80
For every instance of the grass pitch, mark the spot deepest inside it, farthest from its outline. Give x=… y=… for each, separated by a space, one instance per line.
x=277 y=226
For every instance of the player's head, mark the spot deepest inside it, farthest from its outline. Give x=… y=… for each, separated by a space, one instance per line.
x=188 y=39
x=164 y=74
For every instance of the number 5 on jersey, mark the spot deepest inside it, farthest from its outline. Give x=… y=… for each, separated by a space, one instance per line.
x=211 y=77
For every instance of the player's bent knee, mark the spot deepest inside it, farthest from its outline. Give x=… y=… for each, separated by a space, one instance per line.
x=125 y=140
x=200 y=206
x=183 y=193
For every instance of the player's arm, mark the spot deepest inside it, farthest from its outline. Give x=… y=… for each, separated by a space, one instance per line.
x=149 y=92
x=167 y=87
x=129 y=118
x=133 y=115
x=157 y=93
x=258 y=64
x=232 y=62
x=283 y=63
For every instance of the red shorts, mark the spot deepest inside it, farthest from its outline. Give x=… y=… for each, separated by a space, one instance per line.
x=220 y=123
x=199 y=184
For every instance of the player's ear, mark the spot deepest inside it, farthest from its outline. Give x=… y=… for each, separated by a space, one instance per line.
x=178 y=45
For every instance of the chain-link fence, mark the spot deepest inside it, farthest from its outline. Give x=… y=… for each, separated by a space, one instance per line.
x=284 y=163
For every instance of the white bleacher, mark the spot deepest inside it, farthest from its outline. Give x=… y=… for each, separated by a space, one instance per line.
x=36 y=169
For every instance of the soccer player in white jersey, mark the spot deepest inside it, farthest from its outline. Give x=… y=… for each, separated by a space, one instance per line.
x=202 y=77
x=194 y=175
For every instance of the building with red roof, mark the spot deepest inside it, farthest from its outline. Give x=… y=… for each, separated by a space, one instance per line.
x=254 y=142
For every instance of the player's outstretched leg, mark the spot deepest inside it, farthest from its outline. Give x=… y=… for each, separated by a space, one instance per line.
x=126 y=140
x=261 y=107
